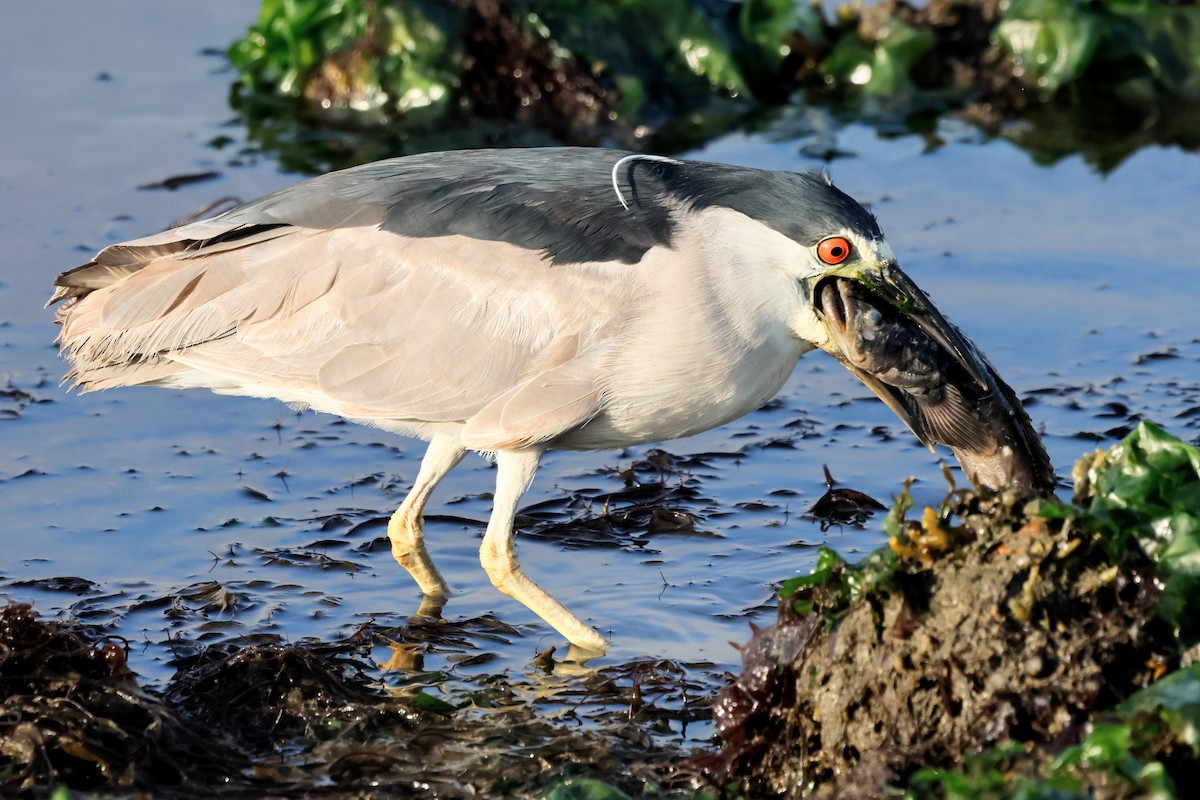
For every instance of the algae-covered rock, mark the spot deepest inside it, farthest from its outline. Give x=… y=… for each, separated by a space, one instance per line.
x=991 y=625
x=514 y=71
x=336 y=83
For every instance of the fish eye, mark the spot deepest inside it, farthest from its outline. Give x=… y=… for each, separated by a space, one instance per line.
x=833 y=250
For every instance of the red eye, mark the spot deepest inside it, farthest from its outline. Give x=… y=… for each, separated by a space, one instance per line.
x=833 y=250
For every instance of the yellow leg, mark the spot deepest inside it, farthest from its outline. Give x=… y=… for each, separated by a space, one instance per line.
x=514 y=474
x=406 y=527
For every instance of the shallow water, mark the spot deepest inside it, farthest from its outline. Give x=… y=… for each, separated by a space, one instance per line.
x=186 y=517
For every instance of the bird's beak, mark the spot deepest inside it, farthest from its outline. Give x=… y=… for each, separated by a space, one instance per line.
x=885 y=330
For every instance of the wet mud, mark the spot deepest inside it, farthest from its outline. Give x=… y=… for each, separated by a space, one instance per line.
x=313 y=719
x=73 y=715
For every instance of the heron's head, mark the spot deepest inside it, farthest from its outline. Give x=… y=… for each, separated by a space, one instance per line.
x=854 y=302
x=851 y=299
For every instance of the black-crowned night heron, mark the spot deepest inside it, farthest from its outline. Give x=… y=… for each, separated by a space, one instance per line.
x=512 y=301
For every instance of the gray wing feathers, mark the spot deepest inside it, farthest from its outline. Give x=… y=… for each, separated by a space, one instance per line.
x=528 y=198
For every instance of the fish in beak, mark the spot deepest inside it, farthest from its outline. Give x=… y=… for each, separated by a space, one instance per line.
x=885 y=330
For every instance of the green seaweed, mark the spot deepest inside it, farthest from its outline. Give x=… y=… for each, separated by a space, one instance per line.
x=1058 y=42
x=586 y=789
x=1124 y=751
x=883 y=67
x=834 y=584
x=381 y=58
x=1145 y=492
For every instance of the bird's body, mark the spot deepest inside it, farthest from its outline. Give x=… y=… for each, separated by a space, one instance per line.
x=497 y=301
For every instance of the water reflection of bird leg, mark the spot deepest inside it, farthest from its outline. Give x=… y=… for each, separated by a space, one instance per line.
x=406 y=527
x=405 y=657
